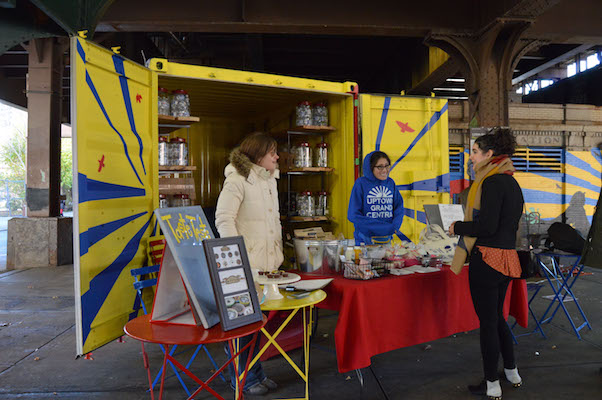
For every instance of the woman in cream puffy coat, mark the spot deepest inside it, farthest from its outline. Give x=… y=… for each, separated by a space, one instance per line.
x=248 y=206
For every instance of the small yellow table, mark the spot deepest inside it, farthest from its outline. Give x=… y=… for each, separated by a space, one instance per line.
x=306 y=304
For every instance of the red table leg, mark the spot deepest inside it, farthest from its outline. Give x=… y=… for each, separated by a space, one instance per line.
x=147 y=367
x=163 y=375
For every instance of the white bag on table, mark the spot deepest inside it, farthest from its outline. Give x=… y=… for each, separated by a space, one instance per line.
x=434 y=240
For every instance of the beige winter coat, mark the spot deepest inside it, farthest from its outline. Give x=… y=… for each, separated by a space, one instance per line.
x=248 y=206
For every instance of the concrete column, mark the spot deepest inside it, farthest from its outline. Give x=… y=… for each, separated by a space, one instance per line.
x=487 y=61
x=43 y=238
x=44 y=127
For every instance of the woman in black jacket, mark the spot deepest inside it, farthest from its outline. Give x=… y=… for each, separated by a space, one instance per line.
x=488 y=235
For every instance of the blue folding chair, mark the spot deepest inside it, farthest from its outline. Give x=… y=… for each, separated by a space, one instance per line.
x=562 y=284
x=534 y=287
x=139 y=285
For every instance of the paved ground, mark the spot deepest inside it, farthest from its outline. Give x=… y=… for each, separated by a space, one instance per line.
x=37 y=355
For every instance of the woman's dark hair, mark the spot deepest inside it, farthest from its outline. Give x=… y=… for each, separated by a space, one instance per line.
x=257 y=145
x=501 y=141
x=377 y=155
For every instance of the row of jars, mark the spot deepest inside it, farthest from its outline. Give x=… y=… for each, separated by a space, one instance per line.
x=176 y=200
x=174 y=152
x=316 y=115
x=303 y=156
x=310 y=205
x=176 y=103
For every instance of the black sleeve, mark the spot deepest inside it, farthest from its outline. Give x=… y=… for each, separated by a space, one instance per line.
x=488 y=219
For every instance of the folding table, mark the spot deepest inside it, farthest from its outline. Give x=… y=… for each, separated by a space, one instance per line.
x=306 y=305
x=562 y=284
x=143 y=330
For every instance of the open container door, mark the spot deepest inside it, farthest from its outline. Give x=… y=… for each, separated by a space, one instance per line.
x=113 y=113
x=413 y=131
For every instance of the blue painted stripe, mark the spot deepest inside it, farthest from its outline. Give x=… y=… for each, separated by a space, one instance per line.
x=575 y=161
x=438 y=184
x=81 y=51
x=125 y=91
x=90 y=190
x=101 y=284
x=403 y=237
x=436 y=116
x=414 y=214
x=570 y=179
x=543 y=197
x=155 y=228
x=102 y=107
x=596 y=153
x=383 y=120
x=95 y=234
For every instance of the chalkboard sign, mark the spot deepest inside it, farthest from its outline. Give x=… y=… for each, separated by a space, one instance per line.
x=184 y=261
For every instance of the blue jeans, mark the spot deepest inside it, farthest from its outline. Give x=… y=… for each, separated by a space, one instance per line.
x=255 y=374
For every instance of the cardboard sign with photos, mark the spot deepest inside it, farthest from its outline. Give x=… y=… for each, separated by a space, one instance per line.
x=232 y=282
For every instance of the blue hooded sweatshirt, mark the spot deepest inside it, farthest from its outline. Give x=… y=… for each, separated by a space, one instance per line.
x=375 y=206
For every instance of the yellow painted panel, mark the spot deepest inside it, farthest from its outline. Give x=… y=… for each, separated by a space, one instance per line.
x=114 y=104
x=414 y=133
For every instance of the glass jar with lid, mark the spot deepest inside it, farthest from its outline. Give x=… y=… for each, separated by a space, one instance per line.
x=180 y=103
x=163 y=151
x=163 y=203
x=303 y=114
x=322 y=204
x=303 y=155
x=306 y=206
x=164 y=105
x=180 y=200
x=179 y=151
x=321 y=155
x=319 y=114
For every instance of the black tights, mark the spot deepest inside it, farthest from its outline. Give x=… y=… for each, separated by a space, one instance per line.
x=488 y=290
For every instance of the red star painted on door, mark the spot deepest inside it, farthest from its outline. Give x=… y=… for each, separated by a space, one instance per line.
x=405 y=126
x=138 y=98
x=101 y=163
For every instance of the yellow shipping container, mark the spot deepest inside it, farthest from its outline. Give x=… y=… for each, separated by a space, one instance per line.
x=116 y=171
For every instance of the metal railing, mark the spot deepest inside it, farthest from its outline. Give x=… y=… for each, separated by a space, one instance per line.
x=12 y=198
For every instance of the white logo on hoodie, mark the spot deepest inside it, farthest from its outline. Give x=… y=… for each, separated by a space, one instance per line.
x=380 y=201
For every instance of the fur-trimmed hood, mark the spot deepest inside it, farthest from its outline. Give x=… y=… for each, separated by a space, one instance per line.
x=240 y=163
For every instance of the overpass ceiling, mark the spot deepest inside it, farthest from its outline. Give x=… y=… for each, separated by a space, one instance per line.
x=377 y=44
x=561 y=21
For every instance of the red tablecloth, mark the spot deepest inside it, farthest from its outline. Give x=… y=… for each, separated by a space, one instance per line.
x=385 y=314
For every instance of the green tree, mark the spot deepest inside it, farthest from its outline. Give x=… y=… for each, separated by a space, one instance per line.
x=66 y=172
x=13 y=167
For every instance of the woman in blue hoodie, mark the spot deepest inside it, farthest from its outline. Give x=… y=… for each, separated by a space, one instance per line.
x=375 y=206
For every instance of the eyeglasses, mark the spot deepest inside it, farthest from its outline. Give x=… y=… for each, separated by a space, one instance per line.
x=382 y=167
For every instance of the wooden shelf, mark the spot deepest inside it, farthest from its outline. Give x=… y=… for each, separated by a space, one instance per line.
x=308 y=170
x=313 y=129
x=176 y=168
x=168 y=124
x=305 y=219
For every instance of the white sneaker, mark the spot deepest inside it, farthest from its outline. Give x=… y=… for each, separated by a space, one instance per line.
x=513 y=376
x=494 y=390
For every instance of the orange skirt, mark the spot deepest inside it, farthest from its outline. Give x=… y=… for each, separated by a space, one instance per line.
x=505 y=261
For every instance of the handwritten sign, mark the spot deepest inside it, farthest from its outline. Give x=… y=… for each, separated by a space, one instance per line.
x=185 y=228
x=450 y=213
